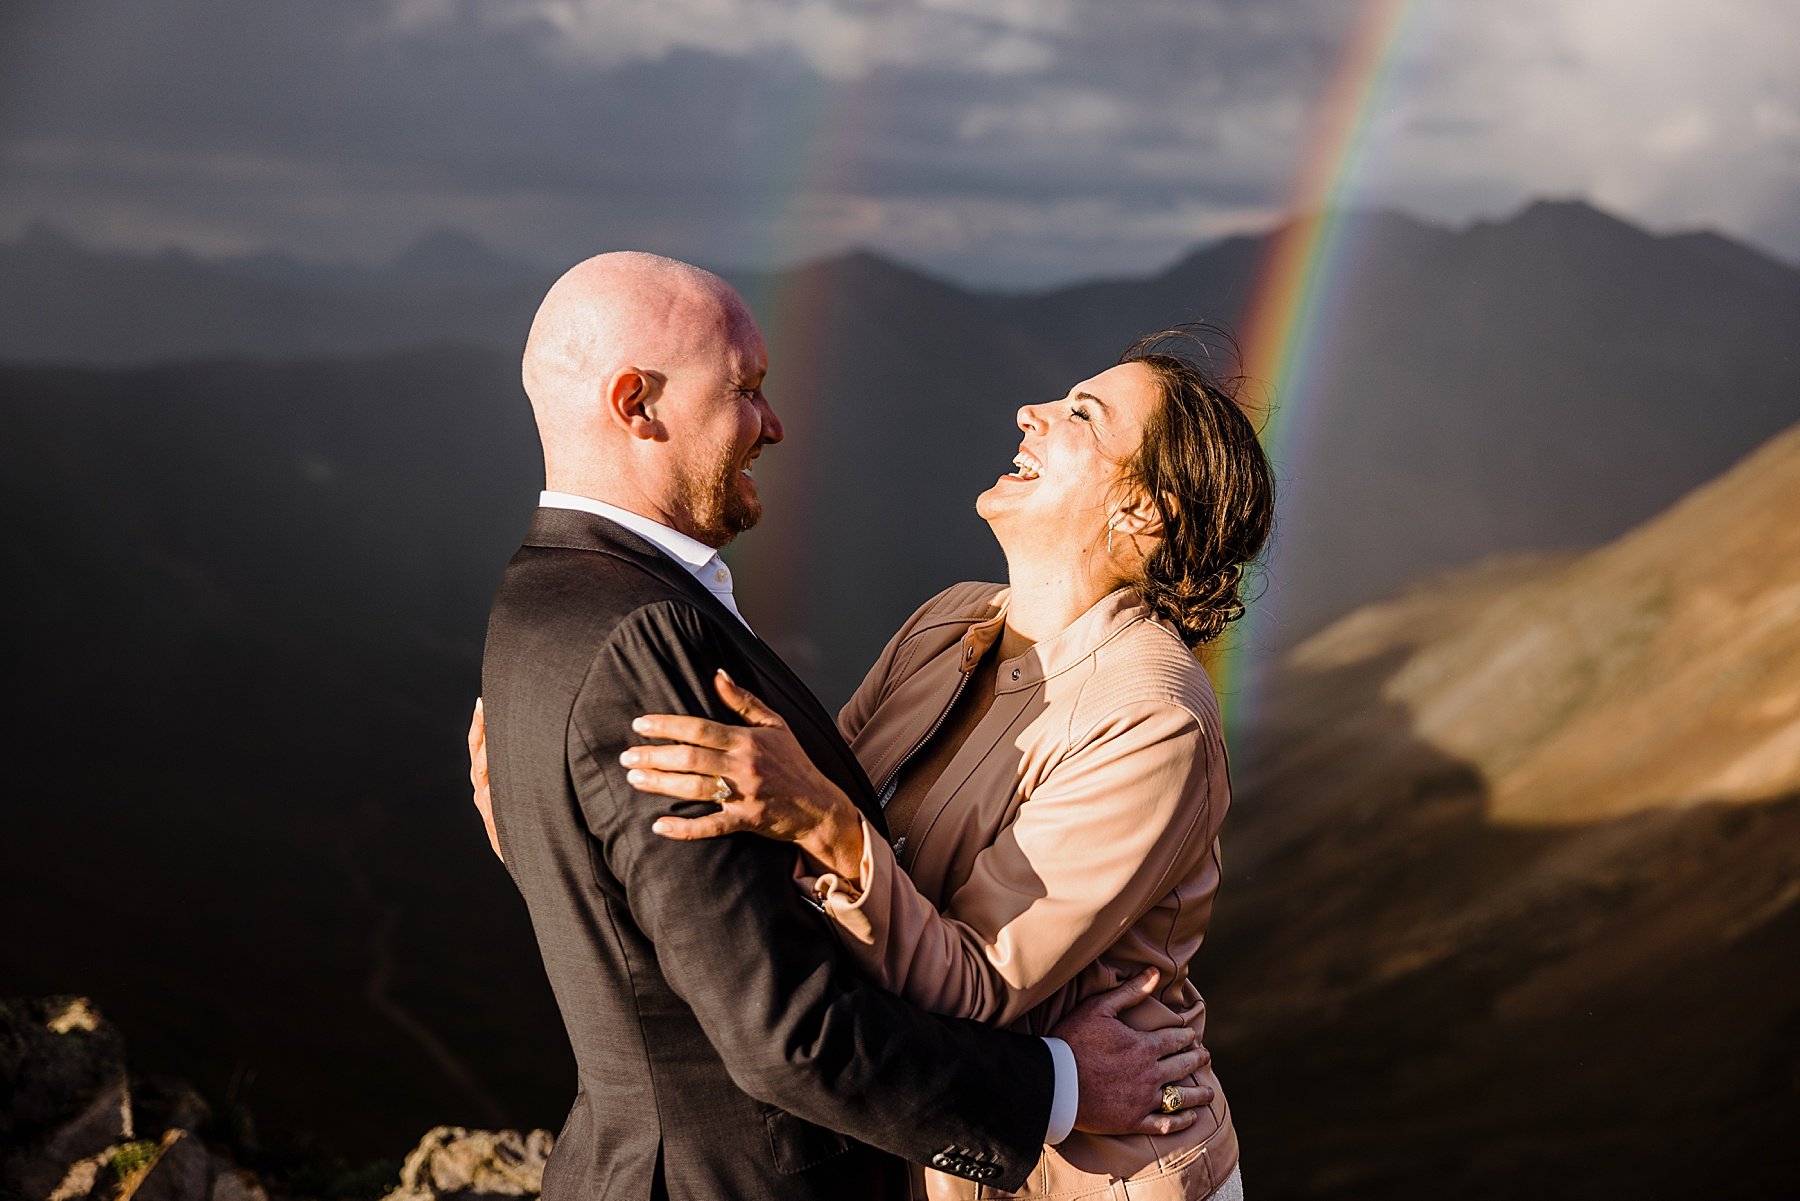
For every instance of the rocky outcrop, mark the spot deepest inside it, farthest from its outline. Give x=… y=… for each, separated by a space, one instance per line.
x=451 y=1163
x=71 y=1099
x=75 y=1128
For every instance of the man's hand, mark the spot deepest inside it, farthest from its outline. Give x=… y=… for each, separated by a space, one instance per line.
x=478 y=777
x=1122 y=1071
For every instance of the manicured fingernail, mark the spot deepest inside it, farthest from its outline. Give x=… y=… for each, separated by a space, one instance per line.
x=727 y=677
x=635 y=777
x=641 y=724
x=478 y=704
x=629 y=757
x=661 y=826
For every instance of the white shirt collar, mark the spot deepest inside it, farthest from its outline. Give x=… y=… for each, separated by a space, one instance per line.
x=701 y=560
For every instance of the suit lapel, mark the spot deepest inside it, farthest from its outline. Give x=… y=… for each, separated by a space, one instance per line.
x=576 y=530
x=806 y=706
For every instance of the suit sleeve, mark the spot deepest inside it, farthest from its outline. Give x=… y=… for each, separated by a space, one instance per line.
x=796 y=1025
x=1107 y=833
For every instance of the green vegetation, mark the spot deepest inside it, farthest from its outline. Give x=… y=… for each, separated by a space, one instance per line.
x=131 y=1158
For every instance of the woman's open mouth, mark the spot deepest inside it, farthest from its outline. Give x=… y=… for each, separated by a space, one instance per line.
x=1027 y=468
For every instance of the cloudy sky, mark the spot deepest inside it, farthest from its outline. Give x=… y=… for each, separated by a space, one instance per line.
x=1001 y=142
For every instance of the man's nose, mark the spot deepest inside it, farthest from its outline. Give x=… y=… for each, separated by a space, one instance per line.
x=771 y=425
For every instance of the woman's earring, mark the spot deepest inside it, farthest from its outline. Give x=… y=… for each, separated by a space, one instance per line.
x=1109 y=533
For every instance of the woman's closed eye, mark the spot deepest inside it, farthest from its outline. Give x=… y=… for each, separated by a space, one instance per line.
x=1080 y=413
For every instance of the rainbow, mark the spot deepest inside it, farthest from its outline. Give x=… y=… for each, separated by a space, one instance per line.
x=1303 y=269
x=1302 y=272
x=793 y=300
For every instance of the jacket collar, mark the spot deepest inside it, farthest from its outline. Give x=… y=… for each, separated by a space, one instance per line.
x=573 y=529
x=1109 y=616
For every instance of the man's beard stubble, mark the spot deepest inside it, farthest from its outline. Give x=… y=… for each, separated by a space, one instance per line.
x=718 y=508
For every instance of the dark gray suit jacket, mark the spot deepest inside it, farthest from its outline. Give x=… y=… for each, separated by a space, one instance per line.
x=723 y=1040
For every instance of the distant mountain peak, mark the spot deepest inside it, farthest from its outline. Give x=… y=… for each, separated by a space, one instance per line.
x=446 y=253
x=1570 y=214
x=1390 y=220
x=1363 y=224
x=862 y=266
x=864 y=256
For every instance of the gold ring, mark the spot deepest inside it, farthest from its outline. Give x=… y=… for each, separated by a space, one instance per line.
x=1171 y=1101
x=721 y=790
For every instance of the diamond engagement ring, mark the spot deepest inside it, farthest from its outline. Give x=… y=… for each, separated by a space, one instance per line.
x=721 y=790
x=1171 y=1099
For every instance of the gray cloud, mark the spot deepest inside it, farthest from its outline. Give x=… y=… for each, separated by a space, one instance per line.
x=1005 y=142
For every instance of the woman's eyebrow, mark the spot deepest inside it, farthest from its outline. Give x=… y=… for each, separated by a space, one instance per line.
x=1092 y=397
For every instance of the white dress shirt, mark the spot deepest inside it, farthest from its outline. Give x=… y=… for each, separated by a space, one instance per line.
x=704 y=563
x=701 y=560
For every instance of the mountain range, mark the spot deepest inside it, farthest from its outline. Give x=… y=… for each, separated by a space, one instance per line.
x=1544 y=381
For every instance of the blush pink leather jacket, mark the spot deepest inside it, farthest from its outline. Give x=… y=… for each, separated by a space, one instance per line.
x=1071 y=842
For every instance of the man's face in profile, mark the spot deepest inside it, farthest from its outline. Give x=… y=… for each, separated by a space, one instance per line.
x=718 y=422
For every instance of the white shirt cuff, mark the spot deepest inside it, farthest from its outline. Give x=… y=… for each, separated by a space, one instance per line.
x=1068 y=1092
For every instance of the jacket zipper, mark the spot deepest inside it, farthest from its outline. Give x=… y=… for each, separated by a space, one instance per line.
x=900 y=843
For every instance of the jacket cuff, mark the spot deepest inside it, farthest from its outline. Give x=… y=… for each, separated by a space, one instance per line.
x=1067 y=1099
x=853 y=905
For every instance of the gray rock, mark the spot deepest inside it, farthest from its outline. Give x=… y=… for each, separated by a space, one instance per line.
x=183 y=1171
x=451 y=1163
x=238 y=1184
x=83 y=1177
x=70 y=1098
x=68 y=1115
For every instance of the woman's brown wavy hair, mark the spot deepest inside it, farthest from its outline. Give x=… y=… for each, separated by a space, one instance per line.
x=1202 y=466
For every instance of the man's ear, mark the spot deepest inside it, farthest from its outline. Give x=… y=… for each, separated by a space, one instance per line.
x=629 y=396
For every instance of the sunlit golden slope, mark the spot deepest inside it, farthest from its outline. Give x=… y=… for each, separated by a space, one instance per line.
x=1661 y=670
x=1512 y=894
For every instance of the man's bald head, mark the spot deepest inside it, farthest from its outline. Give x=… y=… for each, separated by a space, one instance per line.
x=627 y=308
x=632 y=363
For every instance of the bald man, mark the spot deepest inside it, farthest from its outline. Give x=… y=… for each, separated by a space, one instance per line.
x=725 y=1047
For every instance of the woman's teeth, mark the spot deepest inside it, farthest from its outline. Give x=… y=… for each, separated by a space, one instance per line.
x=1027 y=470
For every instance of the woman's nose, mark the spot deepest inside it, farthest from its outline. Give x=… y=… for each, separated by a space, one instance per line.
x=1030 y=419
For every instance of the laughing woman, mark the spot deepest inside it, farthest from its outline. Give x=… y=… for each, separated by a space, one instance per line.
x=1048 y=755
